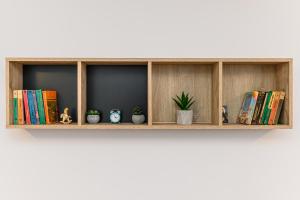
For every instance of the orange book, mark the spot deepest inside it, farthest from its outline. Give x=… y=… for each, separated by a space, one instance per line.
x=274 y=107
x=50 y=106
x=20 y=107
x=45 y=107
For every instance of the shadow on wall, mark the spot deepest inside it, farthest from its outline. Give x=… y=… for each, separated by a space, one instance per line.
x=167 y=135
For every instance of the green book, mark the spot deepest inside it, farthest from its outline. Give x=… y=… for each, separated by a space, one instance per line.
x=266 y=107
x=40 y=105
x=269 y=108
x=15 y=102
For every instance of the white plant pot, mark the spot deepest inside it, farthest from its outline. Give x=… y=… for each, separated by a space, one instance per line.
x=184 y=117
x=93 y=119
x=138 y=119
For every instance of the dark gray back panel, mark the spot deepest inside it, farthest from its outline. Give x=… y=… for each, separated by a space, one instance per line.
x=116 y=86
x=62 y=78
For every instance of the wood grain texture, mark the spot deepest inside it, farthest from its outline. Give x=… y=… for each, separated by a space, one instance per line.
x=24 y=60
x=81 y=85
x=149 y=93
x=241 y=78
x=14 y=82
x=166 y=126
x=283 y=77
x=217 y=93
x=171 y=79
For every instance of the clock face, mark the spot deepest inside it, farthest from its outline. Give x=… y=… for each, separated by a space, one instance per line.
x=115 y=116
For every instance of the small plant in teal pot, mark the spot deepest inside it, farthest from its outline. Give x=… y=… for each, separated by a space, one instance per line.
x=93 y=116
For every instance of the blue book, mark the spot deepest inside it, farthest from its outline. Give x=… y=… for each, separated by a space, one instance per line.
x=36 y=111
x=31 y=107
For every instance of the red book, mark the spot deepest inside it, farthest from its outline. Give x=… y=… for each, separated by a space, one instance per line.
x=26 y=107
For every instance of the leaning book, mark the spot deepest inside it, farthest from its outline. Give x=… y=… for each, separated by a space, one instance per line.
x=247 y=109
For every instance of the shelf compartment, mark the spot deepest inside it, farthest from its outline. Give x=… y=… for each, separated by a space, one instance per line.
x=201 y=80
x=115 y=86
x=241 y=77
x=59 y=76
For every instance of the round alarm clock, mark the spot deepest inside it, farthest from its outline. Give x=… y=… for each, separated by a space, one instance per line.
x=115 y=116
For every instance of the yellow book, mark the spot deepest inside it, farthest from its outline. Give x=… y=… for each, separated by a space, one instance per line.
x=20 y=107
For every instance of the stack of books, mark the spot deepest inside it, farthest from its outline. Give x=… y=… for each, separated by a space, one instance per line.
x=261 y=108
x=34 y=107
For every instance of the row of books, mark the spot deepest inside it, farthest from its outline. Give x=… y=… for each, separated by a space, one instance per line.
x=34 y=107
x=260 y=107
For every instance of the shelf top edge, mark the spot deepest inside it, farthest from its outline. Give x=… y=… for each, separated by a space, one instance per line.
x=145 y=60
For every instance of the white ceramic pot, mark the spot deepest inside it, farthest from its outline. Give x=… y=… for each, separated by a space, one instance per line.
x=93 y=119
x=184 y=117
x=138 y=119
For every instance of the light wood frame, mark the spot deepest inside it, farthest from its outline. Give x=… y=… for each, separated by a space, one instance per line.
x=212 y=80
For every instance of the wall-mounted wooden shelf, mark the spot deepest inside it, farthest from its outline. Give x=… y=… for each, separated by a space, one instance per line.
x=105 y=83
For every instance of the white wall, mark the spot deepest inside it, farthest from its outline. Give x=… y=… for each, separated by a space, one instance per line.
x=135 y=165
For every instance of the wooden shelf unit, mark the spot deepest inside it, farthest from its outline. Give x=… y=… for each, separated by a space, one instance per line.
x=151 y=83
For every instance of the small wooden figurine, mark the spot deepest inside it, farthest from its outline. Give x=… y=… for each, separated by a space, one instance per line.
x=65 y=117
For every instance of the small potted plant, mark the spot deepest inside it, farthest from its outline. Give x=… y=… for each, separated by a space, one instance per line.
x=137 y=115
x=185 y=114
x=92 y=116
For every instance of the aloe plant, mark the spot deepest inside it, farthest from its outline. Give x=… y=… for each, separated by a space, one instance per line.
x=184 y=102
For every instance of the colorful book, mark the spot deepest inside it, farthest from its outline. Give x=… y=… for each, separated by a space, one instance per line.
x=50 y=104
x=258 y=107
x=20 y=107
x=279 y=109
x=46 y=107
x=35 y=107
x=31 y=107
x=268 y=108
x=15 y=104
x=274 y=107
x=40 y=106
x=248 y=106
x=265 y=105
x=26 y=107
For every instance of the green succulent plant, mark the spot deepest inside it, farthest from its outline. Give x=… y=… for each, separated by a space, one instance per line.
x=184 y=102
x=137 y=110
x=92 y=112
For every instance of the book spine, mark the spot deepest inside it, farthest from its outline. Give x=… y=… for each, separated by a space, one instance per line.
x=243 y=112
x=40 y=105
x=20 y=107
x=258 y=107
x=26 y=107
x=46 y=107
x=263 y=111
x=31 y=107
x=269 y=108
x=52 y=106
x=279 y=109
x=274 y=108
x=252 y=107
x=35 y=107
x=15 y=102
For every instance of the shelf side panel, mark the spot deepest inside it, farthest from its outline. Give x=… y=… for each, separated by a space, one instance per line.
x=14 y=81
